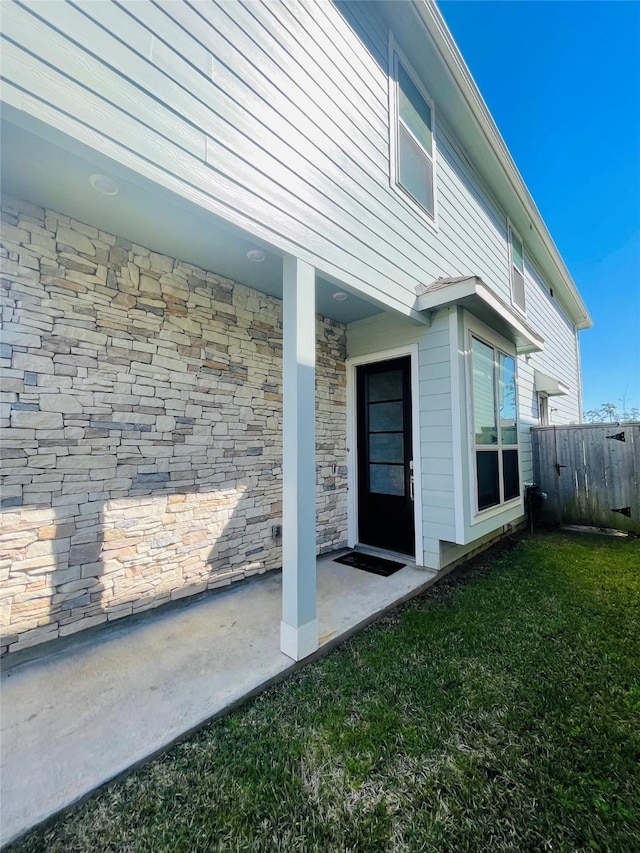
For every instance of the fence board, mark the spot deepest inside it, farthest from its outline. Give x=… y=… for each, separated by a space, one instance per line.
x=586 y=474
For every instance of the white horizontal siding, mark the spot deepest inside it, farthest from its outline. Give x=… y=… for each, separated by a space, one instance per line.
x=382 y=332
x=437 y=501
x=274 y=115
x=472 y=230
x=438 y=486
x=239 y=188
x=558 y=359
x=528 y=416
x=440 y=483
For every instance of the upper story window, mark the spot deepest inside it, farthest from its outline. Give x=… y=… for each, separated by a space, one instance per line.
x=516 y=258
x=495 y=425
x=413 y=151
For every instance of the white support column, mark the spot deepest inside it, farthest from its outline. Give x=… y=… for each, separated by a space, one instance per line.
x=299 y=626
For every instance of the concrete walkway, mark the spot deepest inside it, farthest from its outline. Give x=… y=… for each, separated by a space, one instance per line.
x=76 y=717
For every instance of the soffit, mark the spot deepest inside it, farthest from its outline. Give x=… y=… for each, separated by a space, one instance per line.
x=43 y=166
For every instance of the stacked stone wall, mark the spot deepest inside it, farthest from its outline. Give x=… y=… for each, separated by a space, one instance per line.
x=141 y=428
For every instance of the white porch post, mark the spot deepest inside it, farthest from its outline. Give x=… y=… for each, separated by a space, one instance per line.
x=299 y=626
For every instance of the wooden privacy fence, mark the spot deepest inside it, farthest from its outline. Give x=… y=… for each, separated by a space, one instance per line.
x=590 y=474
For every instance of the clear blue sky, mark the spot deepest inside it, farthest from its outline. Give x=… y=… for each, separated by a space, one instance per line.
x=562 y=81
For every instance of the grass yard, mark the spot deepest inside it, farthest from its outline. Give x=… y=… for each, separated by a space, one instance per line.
x=499 y=711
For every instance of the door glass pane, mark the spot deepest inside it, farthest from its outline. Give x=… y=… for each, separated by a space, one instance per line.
x=510 y=474
x=507 y=392
x=385 y=386
x=415 y=169
x=385 y=417
x=386 y=447
x=487 y=478
x=415 y=112
x=386 y=479
x=484 y=405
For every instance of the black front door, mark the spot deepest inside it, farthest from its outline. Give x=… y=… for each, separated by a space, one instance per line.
x=385 y=466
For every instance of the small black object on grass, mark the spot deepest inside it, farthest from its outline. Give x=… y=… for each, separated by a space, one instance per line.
x=368 y=563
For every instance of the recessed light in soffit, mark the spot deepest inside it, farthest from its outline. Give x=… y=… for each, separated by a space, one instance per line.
x=103 y=184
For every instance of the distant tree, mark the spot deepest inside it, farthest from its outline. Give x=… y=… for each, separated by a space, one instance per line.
x=610 y=413
x=593 y=416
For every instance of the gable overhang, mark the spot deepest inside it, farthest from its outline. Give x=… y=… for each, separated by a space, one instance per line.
x=471 y=293
x=549 y=386
x=424 y=36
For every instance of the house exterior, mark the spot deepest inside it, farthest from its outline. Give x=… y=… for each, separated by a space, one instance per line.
x=264 y=266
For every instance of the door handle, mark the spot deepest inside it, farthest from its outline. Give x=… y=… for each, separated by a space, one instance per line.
x=411 y=487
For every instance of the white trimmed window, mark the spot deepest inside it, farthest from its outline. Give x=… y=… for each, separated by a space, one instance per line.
x=413 y=153
x=516 y=262
x=543 y=410
x=495 y=425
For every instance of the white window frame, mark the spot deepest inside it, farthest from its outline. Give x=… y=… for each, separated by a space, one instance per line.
x=396 y=55
x=544 y=410
x=498 y=345
x=513 y=232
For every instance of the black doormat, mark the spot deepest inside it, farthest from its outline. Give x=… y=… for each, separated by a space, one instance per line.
x=367 y=563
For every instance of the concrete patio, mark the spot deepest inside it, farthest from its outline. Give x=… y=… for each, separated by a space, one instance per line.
x=81 y=713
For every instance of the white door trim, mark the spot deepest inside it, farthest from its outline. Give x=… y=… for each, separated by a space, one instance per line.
x=352 y=443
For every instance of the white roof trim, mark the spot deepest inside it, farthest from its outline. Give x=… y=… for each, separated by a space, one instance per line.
x=548 y=385
x=474 y=295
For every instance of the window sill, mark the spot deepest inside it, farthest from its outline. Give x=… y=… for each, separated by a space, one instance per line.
x=494 y=511
x=521 y=311
x=414 y=207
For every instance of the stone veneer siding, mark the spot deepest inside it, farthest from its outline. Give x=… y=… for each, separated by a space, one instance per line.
x=141 y=415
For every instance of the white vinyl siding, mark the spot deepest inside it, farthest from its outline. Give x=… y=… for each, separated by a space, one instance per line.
x=436 y=434
x=559 y=359
x=252 y=112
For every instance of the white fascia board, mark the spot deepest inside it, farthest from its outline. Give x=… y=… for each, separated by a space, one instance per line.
x=545 y=384
x=443 y=40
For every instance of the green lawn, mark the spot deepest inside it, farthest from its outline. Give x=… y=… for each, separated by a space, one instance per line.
x=499 y=711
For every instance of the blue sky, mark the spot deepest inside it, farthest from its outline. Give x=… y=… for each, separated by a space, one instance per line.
x=562 y=81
